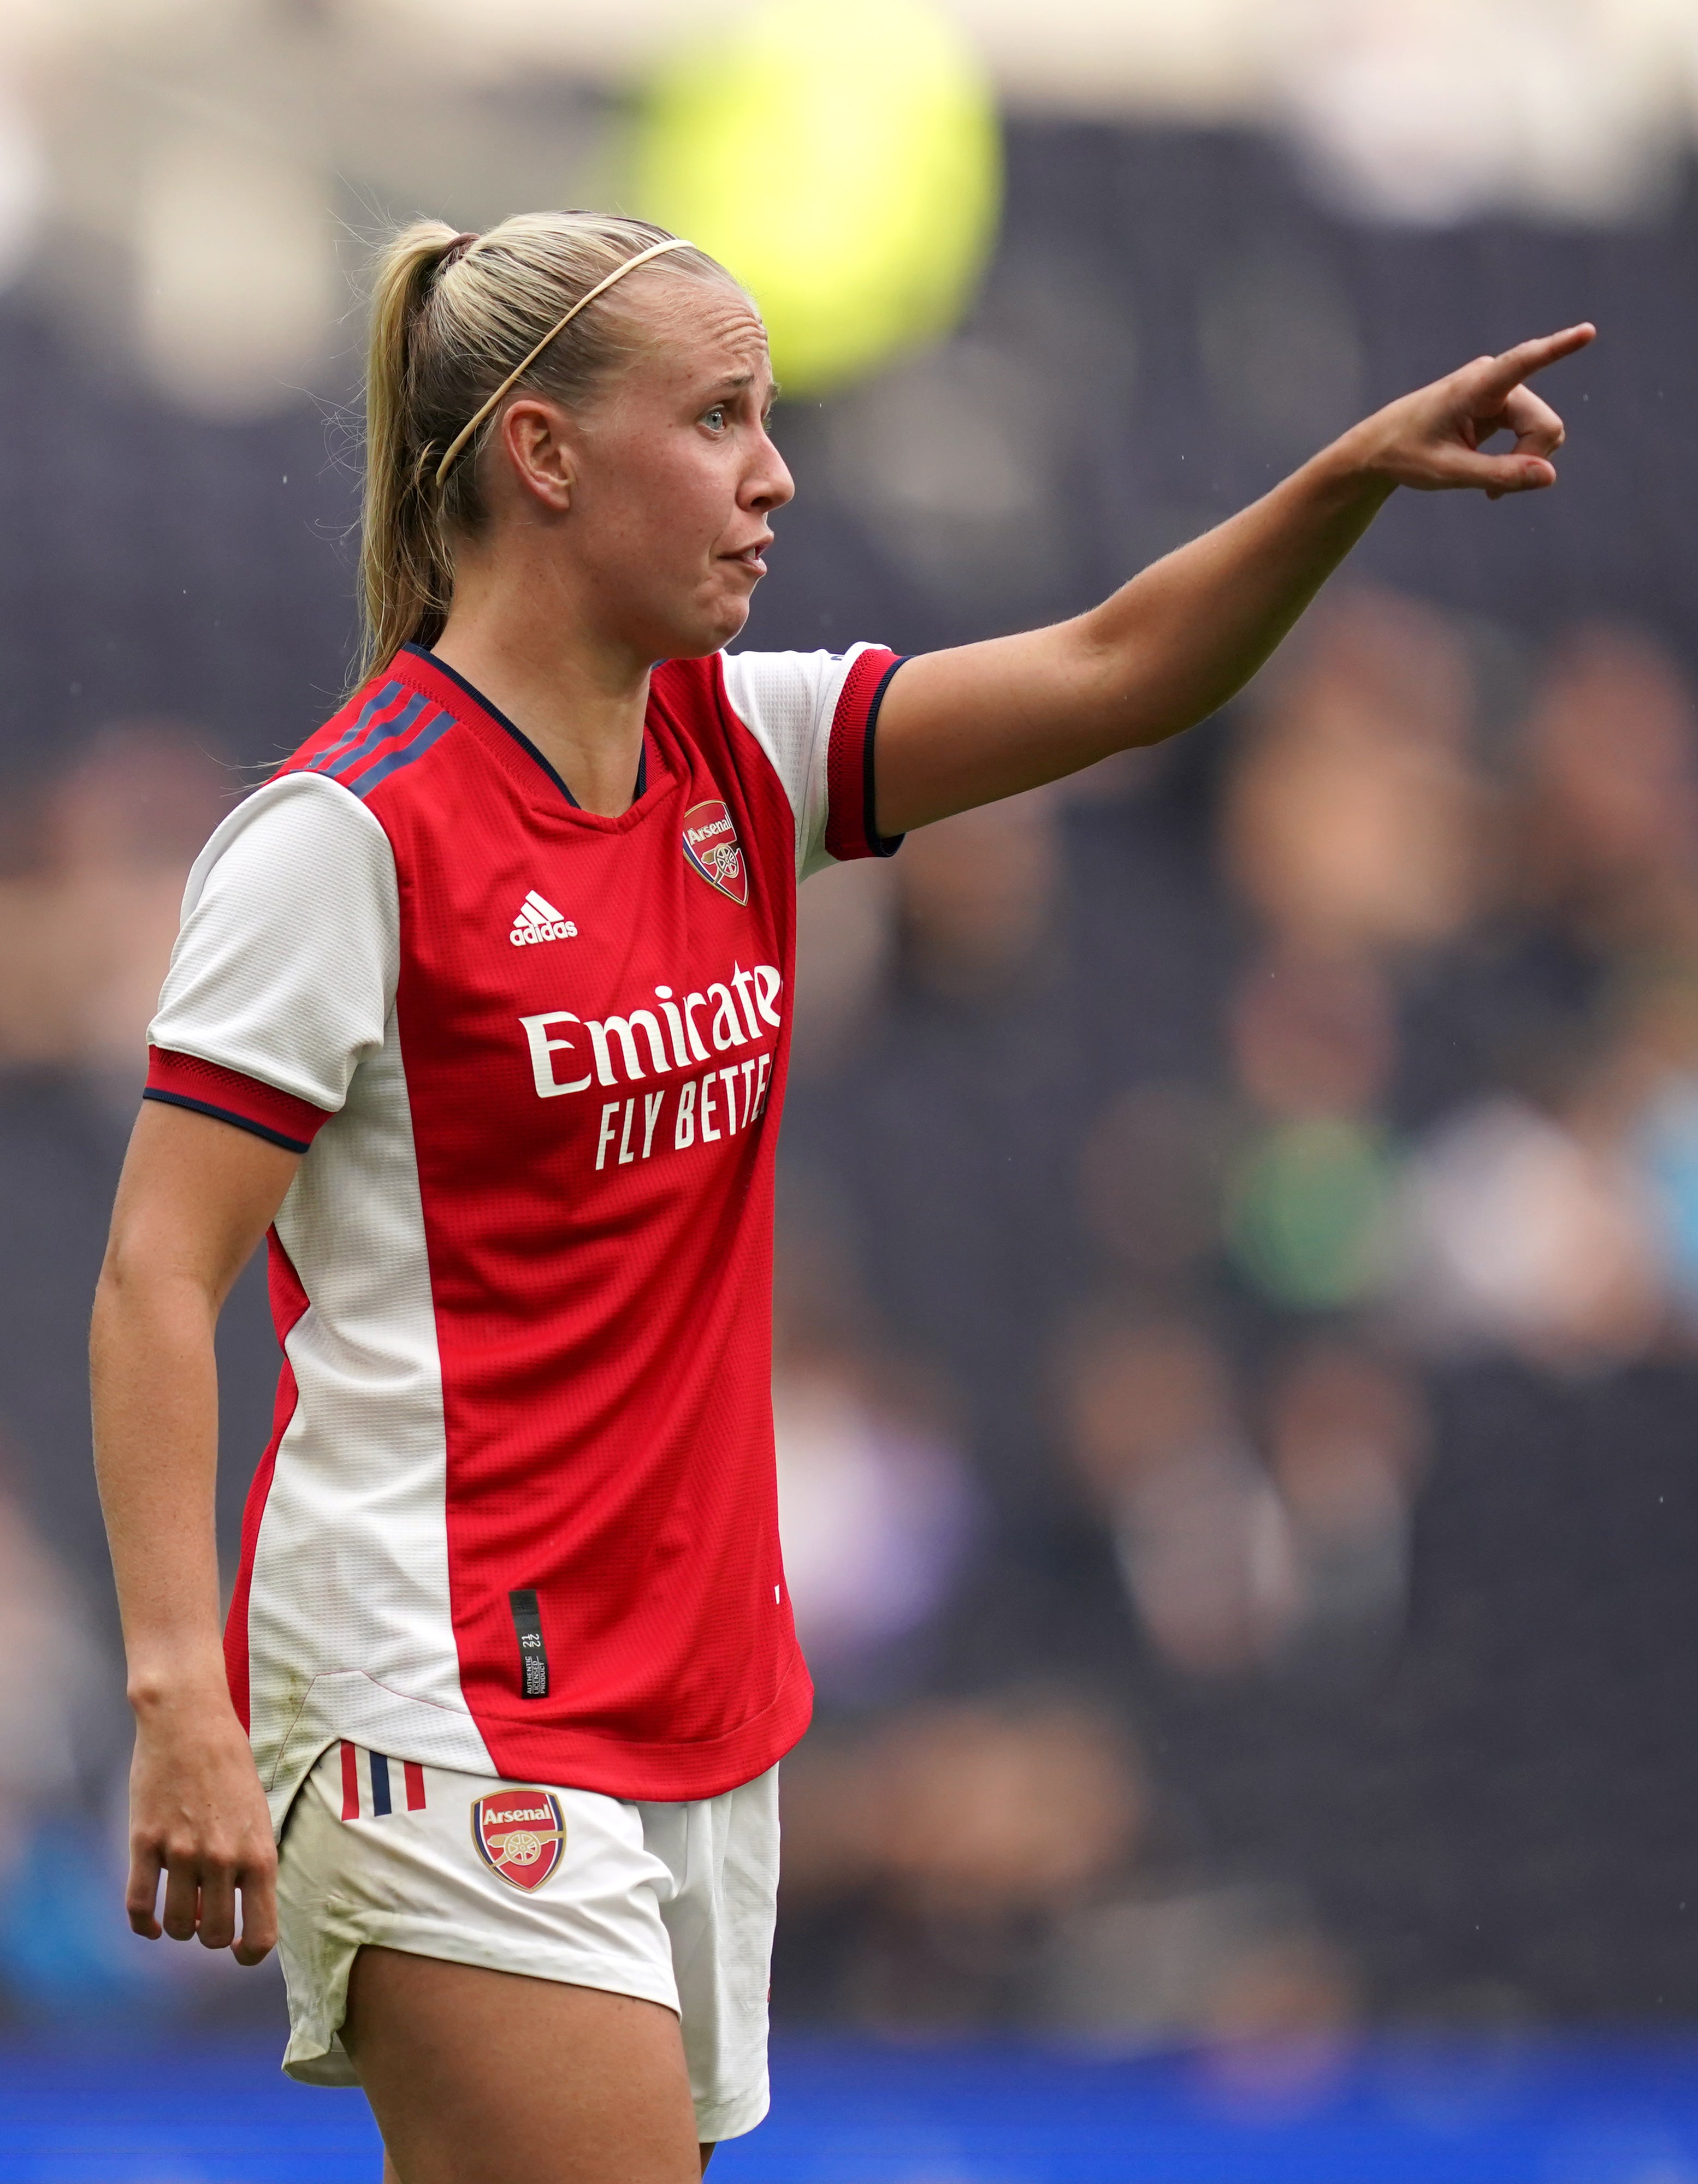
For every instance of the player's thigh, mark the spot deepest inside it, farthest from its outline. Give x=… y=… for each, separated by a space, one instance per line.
x=478 y=2077
x=393 y=2176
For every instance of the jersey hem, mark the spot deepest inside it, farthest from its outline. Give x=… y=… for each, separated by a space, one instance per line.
x=346 y=1703
x=667 y=1774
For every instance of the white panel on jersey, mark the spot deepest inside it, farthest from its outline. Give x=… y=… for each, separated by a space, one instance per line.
x=286 y=970
x=786 y=701
x=285 y=966
x=349 y=1629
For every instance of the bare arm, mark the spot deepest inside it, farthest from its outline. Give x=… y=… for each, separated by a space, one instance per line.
x=196 y=1197
x=963 y=727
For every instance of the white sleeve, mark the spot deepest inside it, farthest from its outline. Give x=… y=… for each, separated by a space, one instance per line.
x=285 y=966
x=814 y=714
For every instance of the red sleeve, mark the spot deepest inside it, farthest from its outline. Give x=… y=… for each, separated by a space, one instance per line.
x=849 y=831
x=184 y=1080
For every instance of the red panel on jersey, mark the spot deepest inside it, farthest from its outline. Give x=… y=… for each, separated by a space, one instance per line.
x=598 y=1218
x=184 y=1080
x=288 y=1302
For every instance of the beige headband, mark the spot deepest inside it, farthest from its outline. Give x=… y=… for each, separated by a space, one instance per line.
x=630 y=266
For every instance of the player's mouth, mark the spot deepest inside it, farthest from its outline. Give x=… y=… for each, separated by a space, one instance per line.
x=750 y=557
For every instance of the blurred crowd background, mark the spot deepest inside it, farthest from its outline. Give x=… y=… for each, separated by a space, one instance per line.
x=1237 y=1312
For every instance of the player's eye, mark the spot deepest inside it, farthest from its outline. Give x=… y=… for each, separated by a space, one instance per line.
x=715 y=418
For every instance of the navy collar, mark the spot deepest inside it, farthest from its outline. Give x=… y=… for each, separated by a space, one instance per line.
x=441 y=668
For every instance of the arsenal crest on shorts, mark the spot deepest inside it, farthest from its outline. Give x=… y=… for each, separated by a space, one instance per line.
x=710 y=844
x=520 y=1833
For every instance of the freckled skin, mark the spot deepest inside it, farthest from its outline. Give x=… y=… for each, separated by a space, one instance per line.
x=626 y=531
x=673 y=474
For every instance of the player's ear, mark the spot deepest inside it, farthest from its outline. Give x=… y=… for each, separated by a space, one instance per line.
x=537 y=439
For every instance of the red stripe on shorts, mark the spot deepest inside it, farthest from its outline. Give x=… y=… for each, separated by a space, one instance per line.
x=414 y=1774
x=350 y=1781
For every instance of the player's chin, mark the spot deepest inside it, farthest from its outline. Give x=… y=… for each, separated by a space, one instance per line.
x=718 y=618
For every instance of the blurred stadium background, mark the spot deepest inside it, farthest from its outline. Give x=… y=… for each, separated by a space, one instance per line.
x=1238 y=1302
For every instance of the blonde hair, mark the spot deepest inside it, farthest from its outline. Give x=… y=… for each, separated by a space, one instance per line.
x=452 y=317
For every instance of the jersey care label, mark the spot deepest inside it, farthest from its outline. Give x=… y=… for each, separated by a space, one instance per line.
x=528 y=1627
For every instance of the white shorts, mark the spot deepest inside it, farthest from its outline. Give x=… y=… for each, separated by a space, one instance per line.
x=673 y=1903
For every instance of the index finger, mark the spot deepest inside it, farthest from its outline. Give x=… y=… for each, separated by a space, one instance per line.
x=1528 y=357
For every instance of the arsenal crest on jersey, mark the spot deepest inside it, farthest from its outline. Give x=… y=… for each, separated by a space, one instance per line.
x=520 y=1833
x=710 y=844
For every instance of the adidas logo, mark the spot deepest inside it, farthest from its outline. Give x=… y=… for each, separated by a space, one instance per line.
x=539 y=919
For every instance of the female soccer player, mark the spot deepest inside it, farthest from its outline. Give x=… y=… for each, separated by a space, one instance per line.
x=480 y=1008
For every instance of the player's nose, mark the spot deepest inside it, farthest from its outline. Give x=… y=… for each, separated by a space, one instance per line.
x=769 y=484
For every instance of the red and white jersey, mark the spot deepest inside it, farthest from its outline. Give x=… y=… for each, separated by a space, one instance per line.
x=518 y=1515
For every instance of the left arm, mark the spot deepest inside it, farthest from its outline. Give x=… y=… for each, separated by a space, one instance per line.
x=966 y=726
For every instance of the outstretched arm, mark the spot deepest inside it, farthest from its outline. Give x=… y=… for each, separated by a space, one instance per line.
x=196 y=1197
x=965 y=726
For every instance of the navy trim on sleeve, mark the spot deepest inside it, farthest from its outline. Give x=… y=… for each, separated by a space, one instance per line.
x=227 y=1115
x=881 y=846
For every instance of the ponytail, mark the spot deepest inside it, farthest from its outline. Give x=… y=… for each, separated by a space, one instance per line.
x=457 y=321
x=405 y=575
